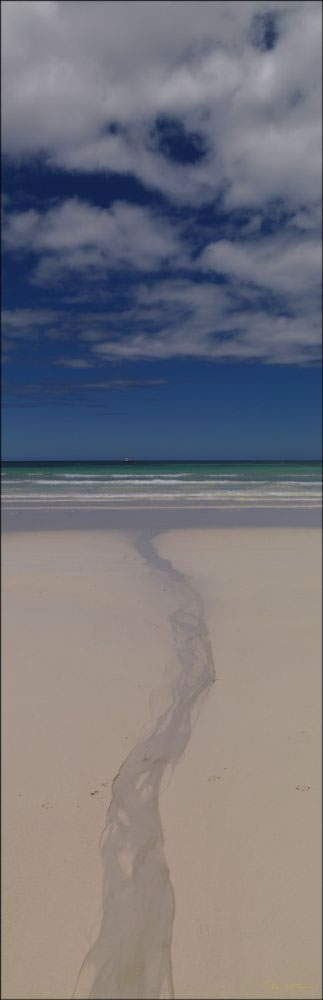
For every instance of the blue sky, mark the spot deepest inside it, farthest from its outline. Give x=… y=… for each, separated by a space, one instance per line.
x=161 y=229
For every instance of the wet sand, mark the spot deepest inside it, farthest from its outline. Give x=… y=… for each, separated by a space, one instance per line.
x=209 y=862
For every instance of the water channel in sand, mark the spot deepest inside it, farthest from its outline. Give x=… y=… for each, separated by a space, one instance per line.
x=131 y=957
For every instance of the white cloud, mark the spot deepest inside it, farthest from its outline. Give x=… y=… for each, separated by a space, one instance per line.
x=83 y=86
x=249 y=337
x=71 y=69
x=20 y=320
x=77 y=236
x=28 y=324
x=177 y=318
x=197 y=320
x=279 y=263
x=77 y=363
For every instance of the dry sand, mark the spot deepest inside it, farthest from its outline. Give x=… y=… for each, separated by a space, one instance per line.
x=242 y=817
x=86 y=640
x=83 y=647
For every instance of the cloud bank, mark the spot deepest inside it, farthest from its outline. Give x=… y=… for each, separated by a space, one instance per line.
x=216 y=109
x=85 y=84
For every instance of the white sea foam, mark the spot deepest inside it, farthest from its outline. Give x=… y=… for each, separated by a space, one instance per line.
x=206 y=487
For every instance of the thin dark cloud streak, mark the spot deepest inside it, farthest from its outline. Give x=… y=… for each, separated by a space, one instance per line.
x=27 y=395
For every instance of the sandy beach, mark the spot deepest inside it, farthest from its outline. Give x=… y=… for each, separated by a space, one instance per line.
x=161 y=516
x=162 y=500
x=242 y=813
x=89 y=666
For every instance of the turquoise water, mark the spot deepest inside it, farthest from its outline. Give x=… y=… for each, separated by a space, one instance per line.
x=92 y=485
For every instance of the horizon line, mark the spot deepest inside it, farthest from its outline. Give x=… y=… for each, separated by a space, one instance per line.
x=131 y=461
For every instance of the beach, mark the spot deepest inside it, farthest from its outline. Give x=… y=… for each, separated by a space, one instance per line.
x=161 y=516
x=216 y=632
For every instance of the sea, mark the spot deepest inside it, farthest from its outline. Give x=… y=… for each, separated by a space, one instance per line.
x=129 y=484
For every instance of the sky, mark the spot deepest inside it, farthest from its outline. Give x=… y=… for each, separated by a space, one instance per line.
x=161 y=229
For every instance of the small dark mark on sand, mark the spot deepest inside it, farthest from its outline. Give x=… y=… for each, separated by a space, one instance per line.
x=95 y=792
x=302 y=788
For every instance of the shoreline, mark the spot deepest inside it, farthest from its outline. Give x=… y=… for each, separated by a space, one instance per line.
x=159 y=520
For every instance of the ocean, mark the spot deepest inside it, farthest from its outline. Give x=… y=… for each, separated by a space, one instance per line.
x=127 y=484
